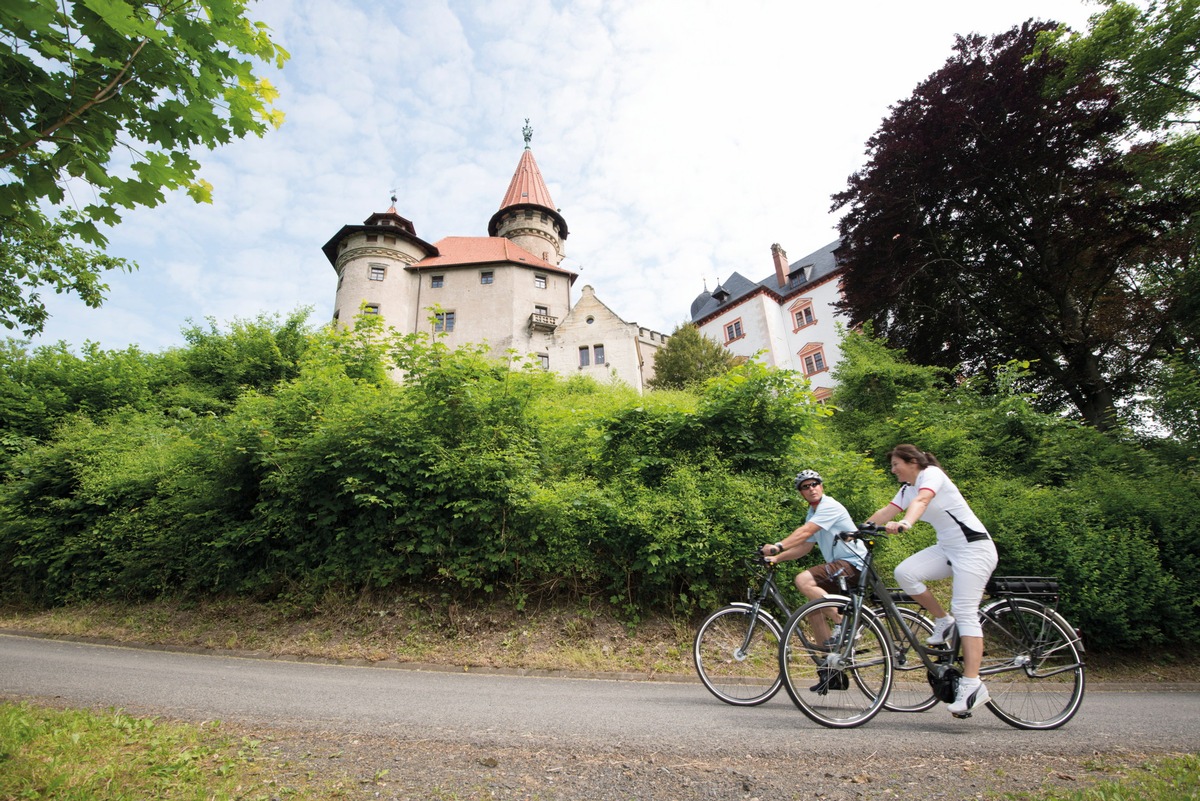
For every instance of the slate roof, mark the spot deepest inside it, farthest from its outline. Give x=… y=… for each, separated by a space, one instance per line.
x=813 y=268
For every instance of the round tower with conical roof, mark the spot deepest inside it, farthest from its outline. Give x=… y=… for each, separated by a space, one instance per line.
x=527 y=215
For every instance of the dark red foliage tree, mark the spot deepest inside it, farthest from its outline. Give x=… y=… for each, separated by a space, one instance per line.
x=997 y=220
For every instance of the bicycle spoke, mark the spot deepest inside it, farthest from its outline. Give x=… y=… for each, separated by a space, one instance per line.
x=739 y=669
x=1032 y=665
x=910 y=686
x=840 y=685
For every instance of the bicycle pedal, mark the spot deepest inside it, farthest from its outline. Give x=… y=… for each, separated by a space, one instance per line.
x=960 y=715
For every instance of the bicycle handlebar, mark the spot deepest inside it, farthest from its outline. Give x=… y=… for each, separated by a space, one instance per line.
x=866 y=530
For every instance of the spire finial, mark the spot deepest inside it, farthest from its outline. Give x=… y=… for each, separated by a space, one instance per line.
x=527 y=132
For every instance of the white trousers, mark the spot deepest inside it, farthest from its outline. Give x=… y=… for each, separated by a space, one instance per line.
x=970 y=564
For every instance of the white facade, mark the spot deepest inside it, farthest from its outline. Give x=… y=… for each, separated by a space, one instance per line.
x=787 y=320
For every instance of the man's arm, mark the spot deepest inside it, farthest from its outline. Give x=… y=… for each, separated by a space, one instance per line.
x=793 y=546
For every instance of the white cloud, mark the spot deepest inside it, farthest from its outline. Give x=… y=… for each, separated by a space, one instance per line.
x=680 y=138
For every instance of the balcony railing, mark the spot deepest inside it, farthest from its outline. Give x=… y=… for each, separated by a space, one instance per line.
x=542 y=322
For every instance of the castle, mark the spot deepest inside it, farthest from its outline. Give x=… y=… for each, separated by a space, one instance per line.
x=507 y=290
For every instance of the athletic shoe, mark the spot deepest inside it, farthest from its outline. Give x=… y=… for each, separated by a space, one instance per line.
x=941 y=631
x=830 y=679
x=837 y=635
x=970 y=695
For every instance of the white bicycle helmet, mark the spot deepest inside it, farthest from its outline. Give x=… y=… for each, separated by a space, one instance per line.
x=807 y=475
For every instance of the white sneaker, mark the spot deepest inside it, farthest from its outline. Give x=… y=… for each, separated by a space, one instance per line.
x=941 y=631
x=837 y=634
x=970 y=695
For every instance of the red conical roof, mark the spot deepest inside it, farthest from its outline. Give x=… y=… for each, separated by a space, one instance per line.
x=527 y=186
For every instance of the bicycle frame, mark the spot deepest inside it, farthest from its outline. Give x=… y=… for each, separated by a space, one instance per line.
x=869 y=581
x=938 y=660
x=769 y=590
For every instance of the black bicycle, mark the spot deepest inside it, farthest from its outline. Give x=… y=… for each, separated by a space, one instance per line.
x=736 y=647
x=1032 y=657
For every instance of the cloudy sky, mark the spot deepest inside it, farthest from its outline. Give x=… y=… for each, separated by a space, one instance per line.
x=679 y=138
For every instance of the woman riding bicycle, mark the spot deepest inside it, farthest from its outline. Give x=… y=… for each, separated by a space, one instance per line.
x=964 y=551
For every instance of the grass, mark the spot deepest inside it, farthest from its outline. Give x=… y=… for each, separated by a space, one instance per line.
x=69 y=755
x=77 y=754
x=1175 y=778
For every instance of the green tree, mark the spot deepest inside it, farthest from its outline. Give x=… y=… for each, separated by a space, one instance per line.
x=1151 y=54
x=115 y=94
x=689 y=358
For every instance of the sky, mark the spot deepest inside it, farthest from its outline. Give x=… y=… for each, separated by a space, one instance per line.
x=679 y=138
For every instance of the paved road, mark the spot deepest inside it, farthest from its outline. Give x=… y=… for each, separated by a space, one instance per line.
x=529 y=712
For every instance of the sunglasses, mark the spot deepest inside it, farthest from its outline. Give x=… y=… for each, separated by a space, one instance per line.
x=807 y=487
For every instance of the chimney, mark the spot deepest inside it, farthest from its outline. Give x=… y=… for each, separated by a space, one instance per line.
x=781 y=264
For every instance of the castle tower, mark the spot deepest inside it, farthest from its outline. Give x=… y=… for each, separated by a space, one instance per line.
x=527 y=215
x=370 y=261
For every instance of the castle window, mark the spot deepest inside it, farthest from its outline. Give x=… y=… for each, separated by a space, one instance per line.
x=544 y=361
x=542 y=310
x=813 y=359
x=734 y=331
x=389 y=240
x=598 y=351
x=436 y=281
x=539 y=282
x=371 y=308
x=802 y=315
x=585 y=356
x=487 y=277
x=443 y=321
x=376 y=272
x=372 y=237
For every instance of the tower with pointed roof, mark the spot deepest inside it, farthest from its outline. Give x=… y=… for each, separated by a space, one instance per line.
x=527 y=215
x=507 y=290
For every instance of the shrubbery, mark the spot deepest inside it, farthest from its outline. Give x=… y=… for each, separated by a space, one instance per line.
x=477 y=476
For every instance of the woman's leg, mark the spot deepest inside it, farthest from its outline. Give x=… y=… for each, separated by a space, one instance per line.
x=973 y=566
x=913 y=572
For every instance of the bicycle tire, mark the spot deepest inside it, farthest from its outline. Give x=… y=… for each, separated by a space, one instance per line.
x=739 y=678
x=1032 y=663
x=808 y=667
x=910 y=683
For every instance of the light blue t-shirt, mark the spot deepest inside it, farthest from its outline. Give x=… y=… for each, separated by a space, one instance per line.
x=832 y=518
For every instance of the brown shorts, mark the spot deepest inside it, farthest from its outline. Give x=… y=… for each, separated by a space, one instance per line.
x=827 y=575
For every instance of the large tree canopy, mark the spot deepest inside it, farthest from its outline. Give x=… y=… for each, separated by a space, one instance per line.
x=999 y=218
x=113 y=95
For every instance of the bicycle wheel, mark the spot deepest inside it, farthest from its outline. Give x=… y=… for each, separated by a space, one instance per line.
x=910 y=683
x=842 y=686
x=1032 y=663
x=739 y=672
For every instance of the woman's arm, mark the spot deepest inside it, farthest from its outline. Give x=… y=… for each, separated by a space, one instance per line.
x=884 y=515
x=913 y=513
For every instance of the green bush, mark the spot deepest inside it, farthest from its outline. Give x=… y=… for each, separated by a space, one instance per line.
x=476 y=476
